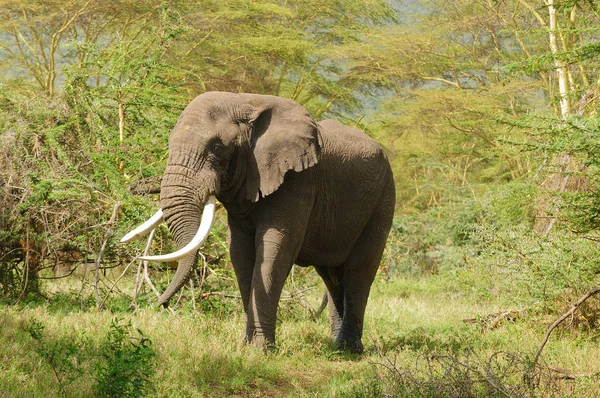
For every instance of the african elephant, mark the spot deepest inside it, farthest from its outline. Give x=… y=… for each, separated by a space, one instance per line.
x=295 y=191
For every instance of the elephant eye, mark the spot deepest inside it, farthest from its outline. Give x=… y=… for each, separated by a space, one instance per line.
x=218 y=148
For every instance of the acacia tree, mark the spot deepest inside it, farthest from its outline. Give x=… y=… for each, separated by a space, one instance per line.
x=40 y=38
x=98 y=75
x=451 y=94
x=287 y=48
x=464 y=73
x=37 y=32
x=567 y=64
x=107 y=80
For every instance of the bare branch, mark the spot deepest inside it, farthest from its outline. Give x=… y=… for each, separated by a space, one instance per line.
x=109 y=233
x=564 y=316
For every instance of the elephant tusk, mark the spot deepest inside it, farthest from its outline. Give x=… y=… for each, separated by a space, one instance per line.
x=208 y=216
x=144 y=228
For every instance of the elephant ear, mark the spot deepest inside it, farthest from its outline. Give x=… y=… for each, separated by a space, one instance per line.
x=283 y=137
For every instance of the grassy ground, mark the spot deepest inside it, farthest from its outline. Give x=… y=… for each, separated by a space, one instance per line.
x=416 y=341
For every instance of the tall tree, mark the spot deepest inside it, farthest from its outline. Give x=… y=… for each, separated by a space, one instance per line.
x=462 y=69
x=91 y=90
x=287 y=48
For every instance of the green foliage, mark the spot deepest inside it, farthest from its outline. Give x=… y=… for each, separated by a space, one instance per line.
x=63 y=355
x=121 y=363
x=458 y=92
x=40 y=204
x=579 y=138
x=527 y=270
x=308 y=60
x=129 y=363
x=112 y=81
x=487 y=249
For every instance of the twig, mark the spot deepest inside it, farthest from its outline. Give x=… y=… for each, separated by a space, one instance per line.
x=115 y=284
x=138 y=285
x=63 y=276
x=568 y=375
x=564 y=316
x=193 y=294
x=26 y=276
x=180 y=295
x=219 y=294
x=107 y=236
x=204 y=270
x=297 y=295
x=146 y=186
x=489 y=380
x=144 y=266
x=143 y=275
x=145 y=262
x=148 y=281
x=592 y=238
x=492 y=321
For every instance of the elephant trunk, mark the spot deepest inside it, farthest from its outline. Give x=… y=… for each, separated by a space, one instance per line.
x=182 y=275
x=182 y=208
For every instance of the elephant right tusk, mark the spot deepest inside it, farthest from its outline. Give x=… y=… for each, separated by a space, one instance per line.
x=208 y=217
x=145 y=228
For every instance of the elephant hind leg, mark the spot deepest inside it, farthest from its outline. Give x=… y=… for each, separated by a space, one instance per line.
x=358 y=275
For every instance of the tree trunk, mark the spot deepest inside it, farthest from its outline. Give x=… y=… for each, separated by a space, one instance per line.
x=561 y=67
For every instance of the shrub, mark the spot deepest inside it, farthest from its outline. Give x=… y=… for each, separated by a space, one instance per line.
x=64 y=354
x=502 y=374
x=128 y=363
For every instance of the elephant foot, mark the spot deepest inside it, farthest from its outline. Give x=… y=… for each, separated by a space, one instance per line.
x=353 y=345
x=262 y=342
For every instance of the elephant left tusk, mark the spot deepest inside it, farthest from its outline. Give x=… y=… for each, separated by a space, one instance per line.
x=208 y=216
x=145 y=228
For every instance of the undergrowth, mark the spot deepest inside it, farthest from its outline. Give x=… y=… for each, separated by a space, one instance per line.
x=119 y=365
x=501 y=374
x=458 y=310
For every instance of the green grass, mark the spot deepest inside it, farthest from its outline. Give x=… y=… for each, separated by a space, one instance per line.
x=48 y=351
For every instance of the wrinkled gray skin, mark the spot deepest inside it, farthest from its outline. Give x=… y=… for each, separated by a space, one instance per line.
x=295 y=192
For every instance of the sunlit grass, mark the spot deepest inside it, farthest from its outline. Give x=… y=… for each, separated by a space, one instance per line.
x=201 y=354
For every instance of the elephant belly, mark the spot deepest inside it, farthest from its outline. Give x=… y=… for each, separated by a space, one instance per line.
x=344 y=206
x=325 y=248
x=322 y=258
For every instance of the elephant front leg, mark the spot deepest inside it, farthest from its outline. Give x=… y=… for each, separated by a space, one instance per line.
x=280 y=222
x=275 y=255
x=242 y=254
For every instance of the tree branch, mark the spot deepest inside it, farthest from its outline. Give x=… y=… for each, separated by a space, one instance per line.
x=109 y=233
x=564 y=316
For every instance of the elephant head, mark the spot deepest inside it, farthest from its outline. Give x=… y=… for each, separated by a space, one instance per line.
x=235 y=147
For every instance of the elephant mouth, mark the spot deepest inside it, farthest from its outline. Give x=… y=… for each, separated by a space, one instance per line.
x=208 y=217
